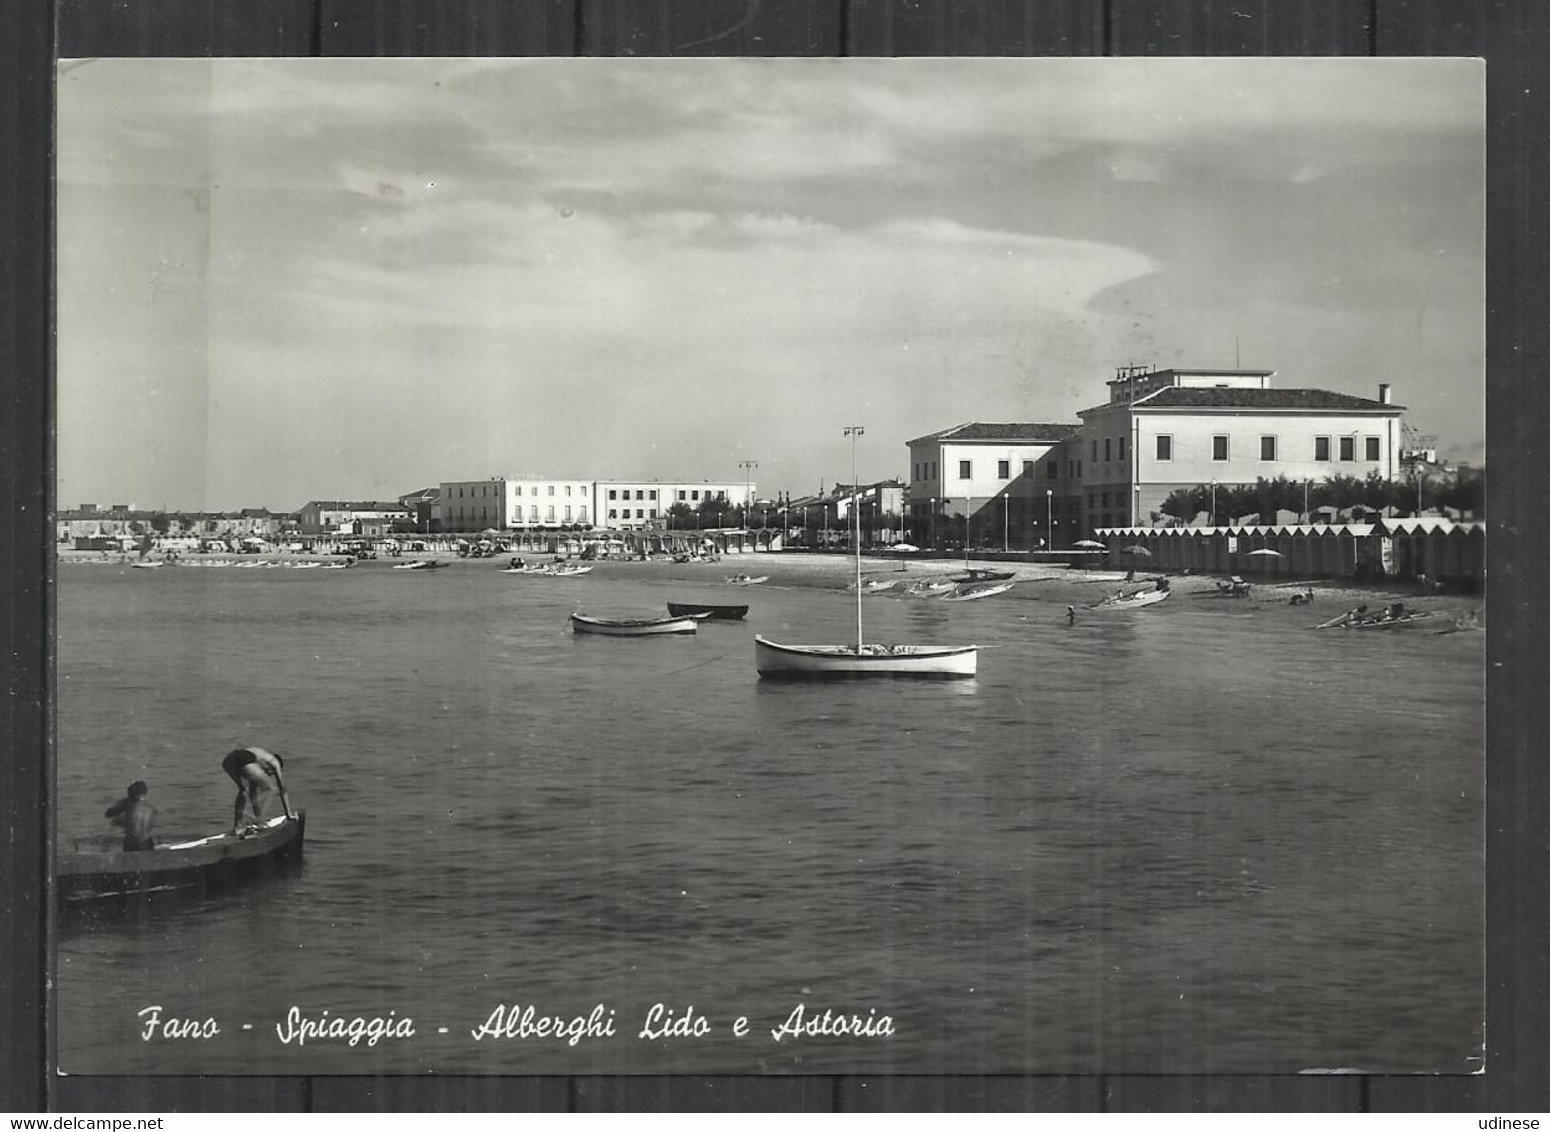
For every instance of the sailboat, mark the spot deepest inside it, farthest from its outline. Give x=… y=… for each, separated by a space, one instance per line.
x=825 y=662
x=972 y=574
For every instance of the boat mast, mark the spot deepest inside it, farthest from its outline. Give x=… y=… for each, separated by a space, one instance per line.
x=853 y=431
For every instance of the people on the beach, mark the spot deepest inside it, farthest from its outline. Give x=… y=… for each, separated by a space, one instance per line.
x=1070 y=615
x=135 y=816
x=254 y=769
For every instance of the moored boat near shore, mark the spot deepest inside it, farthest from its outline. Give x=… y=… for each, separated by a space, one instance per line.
x=825 y=661
x=707 y=612
x=632 y=626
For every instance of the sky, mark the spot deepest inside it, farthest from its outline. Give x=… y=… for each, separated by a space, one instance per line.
x=285 y=280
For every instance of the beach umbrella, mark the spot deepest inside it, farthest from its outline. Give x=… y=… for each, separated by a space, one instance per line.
x=1089 y=544
x=1266 y=552
x=1141 y=550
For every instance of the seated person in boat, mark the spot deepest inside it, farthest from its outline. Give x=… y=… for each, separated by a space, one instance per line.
x=1396 y=611
x=136 y=816
x=253 y=769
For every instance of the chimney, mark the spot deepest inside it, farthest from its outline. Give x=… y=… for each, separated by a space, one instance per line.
x=1383 y=392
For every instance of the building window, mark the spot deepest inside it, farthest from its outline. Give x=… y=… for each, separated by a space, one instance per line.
x=1374 y=448
x=695 y=494
x=1321 y=448
x=532 y=513
x=1122 y=448
x=551 y=492
x=964 y=471
x=653 y=512
x=1003 y=469
x=583 y=513
x=613 y=512
x=1267 y=448
x=639 y=494
x=1218 y=448
x=1165 y=447
x=652 y=496
x=550 y=515
x=639 y=513
x=1095 y=451
x=682 y=495
x=933 y=469
x=1028 y=467
x=1108 y=450
x=567 y=512
x=1348 y=447
x=567 y=489
x=1052 y=470
x=613 y=493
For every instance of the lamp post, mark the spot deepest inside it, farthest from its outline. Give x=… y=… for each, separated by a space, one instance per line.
x=1213 y=503
x=1006 y=504
x=933 y=522
x=1049 y=502
x=1306 y=516
x=748 y=466
x=854 y=432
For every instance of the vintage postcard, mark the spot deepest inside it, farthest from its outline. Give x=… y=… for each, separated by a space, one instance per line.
x=780 y=566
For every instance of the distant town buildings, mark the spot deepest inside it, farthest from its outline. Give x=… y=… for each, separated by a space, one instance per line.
x=1159 y=433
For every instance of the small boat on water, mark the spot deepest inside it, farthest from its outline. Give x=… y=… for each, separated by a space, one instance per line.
x=1139 y=600
x=569 y=571
x=199 y=865
x=928 y=588
x=1395 y=617
x=831 y=662
x=745 y=580
x=974 y=593
x=707 y=612
x=633 y=626
x=147 y=565
x=872 y=585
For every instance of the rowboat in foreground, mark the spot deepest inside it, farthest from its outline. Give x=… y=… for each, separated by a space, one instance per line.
x=197 y=866
x=827 y=662
x=928 y=588
x=977 y=592
x=632 y=626
x=1382 y=619
x=707 y=612
x=745 y=580
x=1133 y=601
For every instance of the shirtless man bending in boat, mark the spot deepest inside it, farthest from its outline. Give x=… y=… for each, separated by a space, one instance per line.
x=253 y=769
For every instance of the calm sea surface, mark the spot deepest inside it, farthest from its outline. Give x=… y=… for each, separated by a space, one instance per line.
x=1194 y=838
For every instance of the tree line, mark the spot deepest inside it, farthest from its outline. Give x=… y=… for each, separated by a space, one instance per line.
x=1464 y=492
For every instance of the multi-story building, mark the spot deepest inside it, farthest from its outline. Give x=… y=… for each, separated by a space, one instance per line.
x=1019 y=474
x=513 y=503
x=631 y=504
x=1162 y=430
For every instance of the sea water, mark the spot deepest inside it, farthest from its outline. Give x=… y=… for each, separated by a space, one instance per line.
x=1193 y=838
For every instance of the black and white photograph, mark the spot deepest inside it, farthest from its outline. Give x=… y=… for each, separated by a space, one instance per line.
x=769 y=566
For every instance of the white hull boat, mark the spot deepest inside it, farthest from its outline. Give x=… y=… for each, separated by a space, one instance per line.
x=824 y=661
x=978 y=592
x=632 y=627
x=1134 y=601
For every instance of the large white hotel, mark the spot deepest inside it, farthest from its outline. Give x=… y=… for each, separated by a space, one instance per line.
x=519 y=502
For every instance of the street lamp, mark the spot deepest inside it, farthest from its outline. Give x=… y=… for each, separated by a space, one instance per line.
x=1006 y=503
x=1213 y=503
x=1049 y=501
x=747 y=466
x=933 y=522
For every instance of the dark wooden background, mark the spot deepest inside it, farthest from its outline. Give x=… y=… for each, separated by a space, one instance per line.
x=1513 y=35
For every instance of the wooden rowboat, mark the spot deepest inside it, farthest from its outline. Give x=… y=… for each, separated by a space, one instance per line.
x=197 y=866
x=977 y=592
x=632 y=627
x=822 y=662
x=1134 y=601
x=707 y=612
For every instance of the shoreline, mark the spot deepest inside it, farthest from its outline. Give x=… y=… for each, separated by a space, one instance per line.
x=1073 y=585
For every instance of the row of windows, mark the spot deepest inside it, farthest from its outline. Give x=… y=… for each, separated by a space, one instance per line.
x=1003 y=469
x=1269 y=448
x=639 y=494
x=640 y=513
x=532 y=514
x=684 y=497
